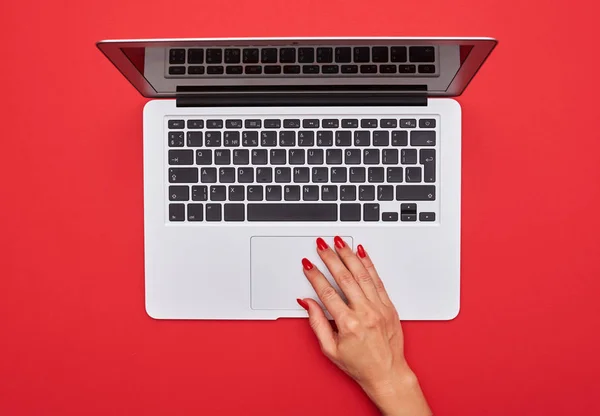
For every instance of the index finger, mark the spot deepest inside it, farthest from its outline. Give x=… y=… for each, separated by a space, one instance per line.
x=328 y=295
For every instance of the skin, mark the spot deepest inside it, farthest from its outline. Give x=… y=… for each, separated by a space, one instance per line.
x=367 y=343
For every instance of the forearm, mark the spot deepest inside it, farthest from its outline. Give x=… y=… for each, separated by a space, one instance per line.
x=401 y=396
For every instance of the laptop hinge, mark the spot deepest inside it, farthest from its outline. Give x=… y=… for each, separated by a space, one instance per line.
x=284 y=96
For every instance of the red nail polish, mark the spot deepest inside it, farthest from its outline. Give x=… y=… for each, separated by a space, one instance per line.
x=361 y=251
x=302 y=303
x=321 y=244
x=339 y=243
x=307 y=264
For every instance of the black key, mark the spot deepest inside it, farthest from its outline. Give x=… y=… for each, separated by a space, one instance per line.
x=287 y=55
x=385 y=193
x=231 y=139
x=408 y=156
x=296 y=157
x=371 y=212
x=176 y=124
x=253 y=69
x=255 y=193
x=218 y=193
x=427 y=216
x=357 y=175
x=215 y=70
x=389 y=123
x=176 y=70
x=273 y=192
x=259 y=157
x=349 y=69
x=368 y=69
x=389 y=216
x=283 y=175
x=291 y=193
x=177 y=56
x=427 y=123
x=349 y=212
x=195 y=212
x=291 y=69
x=380 y=54
x=315 y=156
x=362 y=54
x=352 y=156
x=387 y=69
x=176 y=139
x=399 y=138
x=212 y=139
x=427 y=69
x=320 y=175
x=381 y=138
x=245 y=175
x=310 y=193
x=376 y=175
x=292 y=212
x=407 y=69
x=306 y=55
x=408 y=208
x=236 y=193
x=408 y=123
x=181 y=157
x=208 y=175
x=194 y=139
x=343 y=55
x=179 y=193
x=176 y=212
x=395 y=175
x=287 y=138
x=272 y=69
x=268 y=55
x=227 y=175
x=310 y=69
x=233 y=56
x=241 y=157
x=398 y=53
x=368 y=123
x=366 y=193
x=343 y=138
x=272 y=123
x=195 y=124
x=234 y=212
x=195 y=70
x=291 y=123
x=250 y=56
x=264 y=175
x=339 y=175
x=253 y=124
x=333 y=156
x=183 y=175
x=310 y=123
x=350 y=123
x=362 y=138
x=422 y=138
x=222 y=157
x=324 y=138
x=330 y=69
x=421 y=53
x=301 y=175
x=200 y=193
x=232 y=70
x=371 y=156
x=213 y=212
x=324 y=55
x=278 y=157
x=214 y=56
x=408 y=217
x=329 y=193
x=306 y=138
x=389 y=156
x=348 y=192
x=331 y=123
x=413 y=174
x=427 y=159
x=233 y=124
x=250 y=139
x=415 y=192
x=268 y=138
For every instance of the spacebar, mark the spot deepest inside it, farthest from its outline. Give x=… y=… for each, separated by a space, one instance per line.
x=292 y=212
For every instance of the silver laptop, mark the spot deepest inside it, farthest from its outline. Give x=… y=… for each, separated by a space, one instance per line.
x=253 y=148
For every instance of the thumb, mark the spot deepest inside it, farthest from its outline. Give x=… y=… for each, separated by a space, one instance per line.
x=320 y=326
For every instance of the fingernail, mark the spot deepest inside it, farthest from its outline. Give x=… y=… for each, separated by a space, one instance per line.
x=321 y=244
x=307 y=264
x=302 y=303
x=361 y=251
x=339 y=243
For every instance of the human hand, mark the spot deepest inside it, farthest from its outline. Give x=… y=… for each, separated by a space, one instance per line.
x=368 y=344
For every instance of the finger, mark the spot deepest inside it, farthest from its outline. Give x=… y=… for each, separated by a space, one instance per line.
x=340 y=273
x=365 y=259
x=328 y=295
x=320 y=326
x=357 y=268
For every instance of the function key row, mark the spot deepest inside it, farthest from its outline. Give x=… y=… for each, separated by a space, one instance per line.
x=347 y=123
x=328 y=69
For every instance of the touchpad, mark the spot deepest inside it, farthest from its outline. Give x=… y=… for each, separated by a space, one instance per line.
x=276 y=270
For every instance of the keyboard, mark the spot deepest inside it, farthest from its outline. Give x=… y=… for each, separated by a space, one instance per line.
x=302 y=61
x=293 y=169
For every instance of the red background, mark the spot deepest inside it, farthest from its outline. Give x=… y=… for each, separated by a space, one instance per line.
x=75 y=339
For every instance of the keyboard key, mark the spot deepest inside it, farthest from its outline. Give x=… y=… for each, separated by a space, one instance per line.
x=253 y=124
x=176 y=212
x=385 y=193
x=259 y=157
x=408 y=208
x=234 y=212
x=387 y=69
x=245 y=175
x=427 y=216
x=250 y=56
x=399 y=138
x=362 y=138
x=255 y=193
x=349 y=69
x=268 y=55
x=371 y=156
x=227 y=175
x=213 y=212
x=380 y=54
x=381 y=138
x=407 y=69
x=427 y=123
x=181 y=157
x=195 y=70
x=348 y=193
x=214 y=56
x=306 y=138
x=175 y=139
x=231 y=139
x=236 y=193
x=218 y=193
x=415 y=193
x=350 y=212
x=376 y=175
x=291 y=123
x=352 y=157
x=215 y=70
x=183 y=175
x=233 y=124
x=233 y=56
x=250 y=139
x=310 y=123
x=306 y=55
x=324 y=138
x=408 y=217
x=283 y=175
x=194 y=139
x=310 y=193
x=310 y=69
x=408 y=123
x=175 y=124
x=339 y=175
x=195 y=124
x=395 y=175
x=350 y=123
x=398 y=53
x=320 y=175
x=389 y=216
x=253 y=69
x=195 y=212
x=343 y=138
x=427 y=69
x=278 y=157
x=179 y=193
x=208 y=175
x=422 y=138
x=366 y=193
x=413 y=174
x=291 y=193
x=315 y=157
x=389 y=156
x=362 y=54
x=200 y=193
x=427 y=159
x=222 y=157
x=177 y=56
x=343 y=55
x=330 y=69
x=177 y=70
x=389 y=123
x=264 y=175
x=212 y=139
x=273 y=192
x=287 y=138
x=241 y=157
x=330 y=123
x=272 y=69
x=291 y=69
x=324 y=55
x=292 y=212
x=371 y=212
x=408 y=156
x=287 y=55
x=301 y=175
x=329 y=193
x=368 y=69
x=268 y=139
x=357 y=175
x=368 y=123
x=333 y=156
x=296 y=156
x=421 y=54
